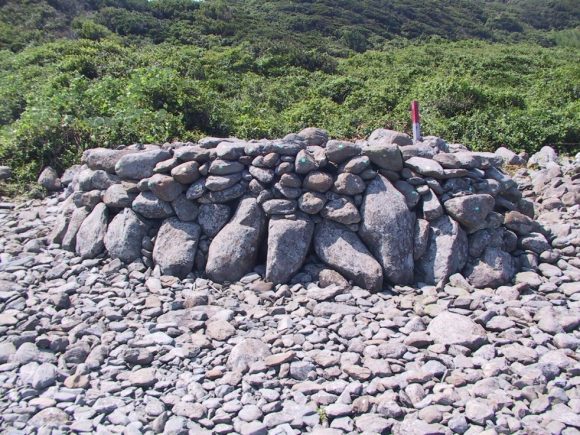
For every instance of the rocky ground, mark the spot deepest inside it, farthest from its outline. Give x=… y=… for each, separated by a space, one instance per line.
x=99 y=346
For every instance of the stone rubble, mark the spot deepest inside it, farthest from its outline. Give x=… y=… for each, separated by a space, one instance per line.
x=111 y=345
x=380 y=212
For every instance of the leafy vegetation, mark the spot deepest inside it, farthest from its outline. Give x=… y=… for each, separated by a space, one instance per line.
x=79 y=74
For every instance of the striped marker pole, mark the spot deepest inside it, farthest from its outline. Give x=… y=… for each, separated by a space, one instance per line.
x=416 y=121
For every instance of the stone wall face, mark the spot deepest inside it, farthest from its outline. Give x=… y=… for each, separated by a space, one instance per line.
x=383 y=211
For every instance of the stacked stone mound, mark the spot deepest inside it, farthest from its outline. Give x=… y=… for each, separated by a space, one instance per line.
x=382 y=211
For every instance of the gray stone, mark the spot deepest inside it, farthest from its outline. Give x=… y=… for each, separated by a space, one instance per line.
x=314 y=136
x=137 y=166
x=372 y=423
x=470 y=210
x=176 y=246
x=185 y=209
x=90 y=240
x=192 y=153
x=117 y=196
x=543 y=157
x=420 y=238
x=48 y=179
x=494 y=269
x=356 y=165
x=341 y=210
x=164 y=187
x=279 y=206
x=344 y=251
x=479 y=411
x=124 y=236
x=219 y=330
x=216 y=183
x=151 y=207
x=44 y=376
x=7 y=350
x=104 y=158
x=535 y=242
x=288 y=245
x=385 y=156
x=311 y=202
x=230 y=150
x=305 y=162
x=446 y=252
x=426 y=167
x=224 y=167
x=412 y=197
x=349 y=184
x=225 y=195
x=186 y=173
x=213 y=217
x=234 y=249
x=102 y=180
x=454 y=329
x=247 y=352
x=383 y=136
x=263 y=175
x=49 y=418
x=77 y=218
x=432 y=208
x=338 y=151
x=5 y=173
x=388 y=231
x=196 y=190
x=317 y=181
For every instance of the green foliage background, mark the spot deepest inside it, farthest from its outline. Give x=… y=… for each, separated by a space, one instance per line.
x=80 y=74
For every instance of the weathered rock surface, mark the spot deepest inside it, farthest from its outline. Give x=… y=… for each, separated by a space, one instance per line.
x=124 y=236
x=377 y=188
x=90 y=239
x=446 y=251
x=388 y=231
x=176 y=246
x=234 y=249
x=288 y=245
x=344 y=251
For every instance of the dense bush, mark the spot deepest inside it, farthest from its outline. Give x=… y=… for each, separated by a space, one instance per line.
x=63 y=97
x=82 y=73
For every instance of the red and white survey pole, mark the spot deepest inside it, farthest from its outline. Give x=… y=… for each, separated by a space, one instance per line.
x=416 y=121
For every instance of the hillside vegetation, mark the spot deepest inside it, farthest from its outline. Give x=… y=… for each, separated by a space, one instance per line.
x=79 y=74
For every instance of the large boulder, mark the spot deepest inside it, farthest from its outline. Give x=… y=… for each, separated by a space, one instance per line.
x=288 y=244
x=91 y=236
x=140 y=165
x=5 y=173
x=104 y=158
x=164 y=187
x=314 y=136
x=470 y=210
x=48 y=179
x=342 y=249
x=234 y=250
x=454 y=329
x=125 y=235
x=69 y=239
x=382 y=136
x=151 y=207
x=388 y=231
x=495 y=268
x=446 y=251
x=247 y=352
x=213 y=217
x=385 y=156
x=426 y=167
x=176 y=246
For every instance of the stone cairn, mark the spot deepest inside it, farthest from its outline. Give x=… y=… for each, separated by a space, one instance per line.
x=378 y=211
